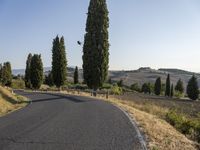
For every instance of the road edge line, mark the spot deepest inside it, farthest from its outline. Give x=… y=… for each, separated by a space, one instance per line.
x=133 y=122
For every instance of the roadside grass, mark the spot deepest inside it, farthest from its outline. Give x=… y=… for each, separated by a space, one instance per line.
x=10 y=102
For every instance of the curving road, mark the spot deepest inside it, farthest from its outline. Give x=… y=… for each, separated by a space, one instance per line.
x=60 y=122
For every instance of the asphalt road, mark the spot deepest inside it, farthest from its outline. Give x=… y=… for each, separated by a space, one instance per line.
x=58 y=122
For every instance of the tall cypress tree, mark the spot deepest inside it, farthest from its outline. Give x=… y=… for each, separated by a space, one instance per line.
x=76 y=76
x=179 y=86
x=167 y=90
x=96 y=45
x=157 y=87
x=7 y=74
x=172 y=91
x=27 y=71
x=63 y=62
x=192 y=88
x=36 y=71
x=59 y=62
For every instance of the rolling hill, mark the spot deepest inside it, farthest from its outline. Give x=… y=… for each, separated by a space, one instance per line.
x=141 y=75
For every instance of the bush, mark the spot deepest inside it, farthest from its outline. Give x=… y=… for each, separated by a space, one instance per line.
x=116 y=90
x=187 y=126
x=178 y=94
x=135 y=87
x=106 y=86
x=18 y=84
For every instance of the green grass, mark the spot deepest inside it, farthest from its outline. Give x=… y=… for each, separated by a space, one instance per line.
x=186 y=125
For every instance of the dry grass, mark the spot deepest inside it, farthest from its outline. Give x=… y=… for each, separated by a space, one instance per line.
x=150 y=119
x=161 y=135
x=10 y=102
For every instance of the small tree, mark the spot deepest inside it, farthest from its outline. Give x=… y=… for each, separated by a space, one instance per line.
x=179 y=86
x=49 y=79
x=192 y=88
x=172 y=91
x=7 y=74
x=135 y=87
x=157 y=87
x=76 y=81
x=36 y=70
x=145 y=88
x=167 y=90
x=120 y=83
x=163 y=87
x=27 y=71
x=110 y=81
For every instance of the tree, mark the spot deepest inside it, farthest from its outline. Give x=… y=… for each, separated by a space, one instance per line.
x=120 y=83
x=59 y=62
x=135 y=87
x=7 y=74
x=192 y=88
x=179 y=86
x=49 y=79
x=110 y=81
x=157 y=87
x=172 y=91
x=167 y=90
x=36 y=71
x=96 y=45
x=76 y=76
x=27 y=71
x=145 y=88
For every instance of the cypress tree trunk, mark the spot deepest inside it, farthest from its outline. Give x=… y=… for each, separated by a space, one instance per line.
x=96 y=45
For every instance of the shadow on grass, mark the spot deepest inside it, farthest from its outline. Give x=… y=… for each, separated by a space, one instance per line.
x=11 y=100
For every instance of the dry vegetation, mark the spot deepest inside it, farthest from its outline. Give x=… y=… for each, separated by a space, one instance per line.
x=10 y=102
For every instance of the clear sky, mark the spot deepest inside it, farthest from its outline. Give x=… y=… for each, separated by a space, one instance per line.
x=154 y=33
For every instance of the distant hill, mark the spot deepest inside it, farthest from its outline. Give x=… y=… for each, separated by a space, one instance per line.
x=147 y=74
x=141 y=75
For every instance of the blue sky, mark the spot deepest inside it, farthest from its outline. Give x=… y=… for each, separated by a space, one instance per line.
x=155 y=33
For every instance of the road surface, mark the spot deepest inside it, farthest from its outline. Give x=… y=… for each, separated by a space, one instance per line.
x=62 y=122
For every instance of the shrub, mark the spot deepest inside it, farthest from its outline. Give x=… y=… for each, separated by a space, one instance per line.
x=178 y=94
x=187 y=126
x=135 y=87
x=106 y=86
x=18 y=84
x=116 y=90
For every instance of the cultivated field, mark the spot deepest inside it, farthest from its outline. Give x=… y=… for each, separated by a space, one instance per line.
x=187 y=107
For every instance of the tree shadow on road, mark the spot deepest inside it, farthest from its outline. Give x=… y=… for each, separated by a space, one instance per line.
x=58 y=97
